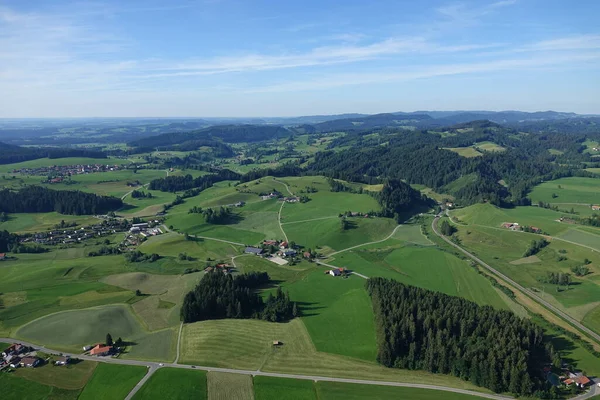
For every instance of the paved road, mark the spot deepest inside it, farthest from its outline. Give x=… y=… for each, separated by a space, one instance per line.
x=152 y=367
x=366 y=244
x=522 y=289
x=279 y=221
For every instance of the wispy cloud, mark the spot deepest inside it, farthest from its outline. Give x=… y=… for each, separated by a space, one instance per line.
x=465 y=15
x=424 y=72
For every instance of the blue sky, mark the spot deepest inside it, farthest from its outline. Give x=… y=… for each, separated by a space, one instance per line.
x=65 y=58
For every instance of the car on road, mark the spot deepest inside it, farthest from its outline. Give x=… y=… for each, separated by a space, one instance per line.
x=161 y=365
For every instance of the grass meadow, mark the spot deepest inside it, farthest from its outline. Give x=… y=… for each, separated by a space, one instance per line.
x=572 y=190
x=224 y=386
x=112 y=381
x=249 y=346
x=467 y=152
x=174 y=383
x=268 y=388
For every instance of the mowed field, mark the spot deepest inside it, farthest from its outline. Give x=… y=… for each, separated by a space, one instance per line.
x=249 y=346
x=71 y=330
x=224 y=386
x=112 y=381
x=572 y=190
x=174 y=383
x=30 y=222
x=467 y=152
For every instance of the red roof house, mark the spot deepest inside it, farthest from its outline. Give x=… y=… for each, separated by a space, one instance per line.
x=101 y=350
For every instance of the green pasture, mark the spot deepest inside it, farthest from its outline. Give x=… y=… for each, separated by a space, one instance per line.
x=174 y=383
x=37 y=222
x=328 y=204
x=283 y=273
x=17 y=388
x=328 y=232
x=489 y=146
x=72 y=377
x=582 y=237
x=173 y=244
x=593 y=170
x=572 y=190
x=112 y=381
x=352 y=391
x=488 y=215
x=71 y=330
x=500 y=247
x=268 y=388
x=461 y=182
x=249 y=346
x=467 y=152
x=426 y=267
x=339 y=309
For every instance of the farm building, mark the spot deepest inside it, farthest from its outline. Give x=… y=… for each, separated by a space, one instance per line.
x=15 y=362
x=13 y=349
x=596 y=208
x=62 y=360
x=30 y=362
x=277 y=343
x=253 y=250
x=2 y=256
x=283 y=245
x=288 y=253
x=101 y=350
x=335 y=271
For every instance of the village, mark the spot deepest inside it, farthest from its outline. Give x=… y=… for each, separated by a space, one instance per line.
x=57 y=172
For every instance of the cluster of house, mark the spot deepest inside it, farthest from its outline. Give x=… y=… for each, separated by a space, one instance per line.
x=514 y=226
x=65 y=170
x=577 y=378
x=284 y=249
x=224 y=268
x=17 y=355
x=355 y=214
x=272 y=195
x=75 y=235
x=139 y=232
x=291 y=199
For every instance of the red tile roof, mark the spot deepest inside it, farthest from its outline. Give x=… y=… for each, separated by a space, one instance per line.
x=99 y=349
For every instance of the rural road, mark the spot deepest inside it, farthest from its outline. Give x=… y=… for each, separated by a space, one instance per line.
x=522 y=289
x=366 y=244
x=131 y=191
x=281 y=208
x=153 y=366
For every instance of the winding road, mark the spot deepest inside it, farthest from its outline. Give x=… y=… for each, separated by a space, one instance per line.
x=366 y=244
x=517 y=286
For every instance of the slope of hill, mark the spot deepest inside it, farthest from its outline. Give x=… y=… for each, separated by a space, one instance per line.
x=373 y=121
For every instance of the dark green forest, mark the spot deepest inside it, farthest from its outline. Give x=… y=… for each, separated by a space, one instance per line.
x=37 y=199
x=221 y=295
x=424 y=330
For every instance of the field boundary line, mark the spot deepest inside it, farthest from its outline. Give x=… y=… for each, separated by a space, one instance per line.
x=309 y=220
x=178 y=343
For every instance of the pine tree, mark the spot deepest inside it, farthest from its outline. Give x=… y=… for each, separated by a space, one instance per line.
x=109 y=340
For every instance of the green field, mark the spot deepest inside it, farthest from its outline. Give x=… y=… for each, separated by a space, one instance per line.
x=249 y=346
x=327 y=233
x=174 y=383
x=267 y=388
x=71 y=330
x=15 y=388
x=172 y=244
x=28 y=222
x=337 y=314
x=112 y=381
x=73 y=376
x=572 y=190
x=467 y=152
x=224 y=386
x=489 y=146
x=350 y=391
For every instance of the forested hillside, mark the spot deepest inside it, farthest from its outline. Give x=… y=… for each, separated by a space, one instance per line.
x=36 y=199
x=13 y=154
x=422 y=329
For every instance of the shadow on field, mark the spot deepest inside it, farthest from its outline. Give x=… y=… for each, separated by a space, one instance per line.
x=307 y=309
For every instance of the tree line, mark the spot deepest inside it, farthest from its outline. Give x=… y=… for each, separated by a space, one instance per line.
x=14 y=154
x=221 y=295
x=420 y=329
x=36 y=199
x=175 y=183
